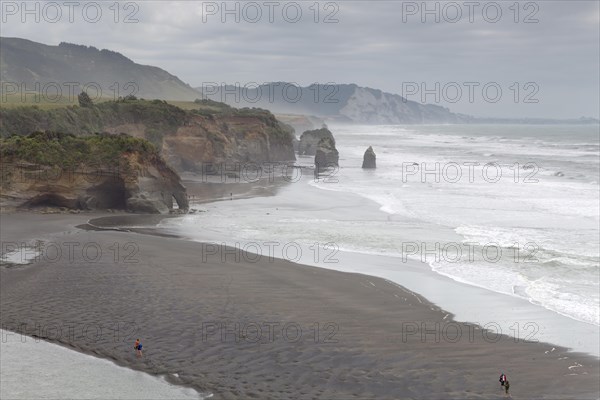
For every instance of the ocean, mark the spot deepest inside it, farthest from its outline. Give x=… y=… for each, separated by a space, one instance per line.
x=526 y=199
x=509 y=209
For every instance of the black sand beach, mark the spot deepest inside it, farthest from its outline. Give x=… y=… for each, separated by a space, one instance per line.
x=242 y=327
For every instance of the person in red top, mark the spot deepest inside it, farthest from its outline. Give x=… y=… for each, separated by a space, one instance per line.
x=138 y=347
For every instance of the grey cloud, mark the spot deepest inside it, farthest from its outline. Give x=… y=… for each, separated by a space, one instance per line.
x=370 y=46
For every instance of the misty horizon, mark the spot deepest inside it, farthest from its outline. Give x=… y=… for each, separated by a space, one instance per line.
x=538 y=60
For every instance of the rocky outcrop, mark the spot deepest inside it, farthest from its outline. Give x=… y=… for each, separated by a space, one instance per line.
x=131 y=179
x=309 y=141
x=189 y=141
x=369 y=159
x=210 y=143
x=327 y=155
x=154 y=188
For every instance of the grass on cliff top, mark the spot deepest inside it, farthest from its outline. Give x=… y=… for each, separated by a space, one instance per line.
x=320 y=133
x=66 y=150
x=159 y=117
x=43 y=102
x=78 y=120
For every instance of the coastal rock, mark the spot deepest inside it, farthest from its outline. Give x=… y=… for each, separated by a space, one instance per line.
x=212 y=145
x=155 y=190
x=369 y=159
x=135 y=180
x=201 y=141
x=327 y=155
x=309 y=141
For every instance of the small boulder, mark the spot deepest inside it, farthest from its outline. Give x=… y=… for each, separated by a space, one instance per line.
x=369 y=159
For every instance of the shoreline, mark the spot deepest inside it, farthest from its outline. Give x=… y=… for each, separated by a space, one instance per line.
x=225 y=308
x=122 y=224
x=531 y=320
x=55 y=362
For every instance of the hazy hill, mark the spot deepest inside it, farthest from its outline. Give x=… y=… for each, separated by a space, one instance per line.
x=26 y=62
x=341 y=103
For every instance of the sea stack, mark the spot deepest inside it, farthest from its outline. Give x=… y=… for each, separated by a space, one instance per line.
x=309 y=141
x=327 y=155
x=369 y=159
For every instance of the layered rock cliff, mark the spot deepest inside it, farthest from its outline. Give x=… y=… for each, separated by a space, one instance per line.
x=211 y=133
x=87 y=173
x=228 y=139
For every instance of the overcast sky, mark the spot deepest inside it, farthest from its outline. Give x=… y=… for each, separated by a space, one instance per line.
x=549 y=48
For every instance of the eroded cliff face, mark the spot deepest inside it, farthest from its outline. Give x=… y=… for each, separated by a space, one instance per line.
x=152 y=188
x=370 y=106
x=206 y=140
x=227 y=139
x=187 y=140
x=133 y=180
x=340 y=103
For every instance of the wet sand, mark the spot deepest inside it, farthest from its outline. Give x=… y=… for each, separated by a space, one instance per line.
x=45 y=371
x=246 y=327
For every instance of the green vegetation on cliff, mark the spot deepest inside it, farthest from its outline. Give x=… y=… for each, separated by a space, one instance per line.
x=318 y=134
x=67 y=150
x=208 y=107
x=186 y=138
x=159 y=116
x=101 y=171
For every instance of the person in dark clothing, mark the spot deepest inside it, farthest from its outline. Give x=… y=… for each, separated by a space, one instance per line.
x=502 y=379
x=506 y=387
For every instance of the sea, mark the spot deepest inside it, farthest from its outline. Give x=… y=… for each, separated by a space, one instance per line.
x=524 y=201
x=508 y=209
